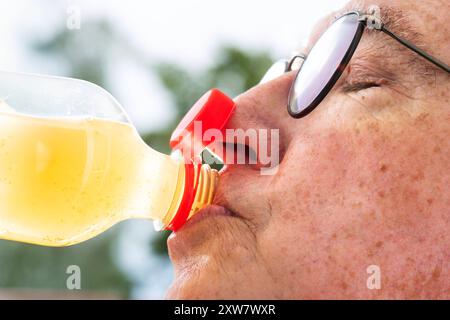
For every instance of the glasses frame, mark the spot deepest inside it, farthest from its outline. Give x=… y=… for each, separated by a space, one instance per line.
x=370 y=21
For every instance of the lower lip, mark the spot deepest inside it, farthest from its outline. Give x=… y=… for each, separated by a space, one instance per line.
x=197 y=230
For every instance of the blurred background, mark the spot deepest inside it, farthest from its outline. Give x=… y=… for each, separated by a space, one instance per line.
x=156 y=58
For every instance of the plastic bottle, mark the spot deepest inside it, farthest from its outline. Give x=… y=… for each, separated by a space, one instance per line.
x=72 y=169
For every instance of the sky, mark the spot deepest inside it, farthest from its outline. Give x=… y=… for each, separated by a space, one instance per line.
x=179 y=31
x=185 y=32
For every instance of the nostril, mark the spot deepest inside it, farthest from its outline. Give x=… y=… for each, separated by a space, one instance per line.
x=243 y=154
x=230 y=153
x=259 y=148
x=237 y=153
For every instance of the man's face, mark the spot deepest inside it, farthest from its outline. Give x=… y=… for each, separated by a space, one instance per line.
x=362 y=181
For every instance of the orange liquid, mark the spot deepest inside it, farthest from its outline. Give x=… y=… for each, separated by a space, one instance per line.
x=65 y=180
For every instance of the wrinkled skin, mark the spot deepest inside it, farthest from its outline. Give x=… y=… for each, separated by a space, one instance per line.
x=363 y=180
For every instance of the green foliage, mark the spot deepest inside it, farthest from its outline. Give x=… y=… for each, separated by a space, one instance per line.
x=159 y=244
x=31 y=266
x=86 y=54
x=234 y=71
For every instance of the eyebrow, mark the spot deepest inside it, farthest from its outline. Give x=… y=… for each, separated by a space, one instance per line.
x=393 y=17
x=396 y=20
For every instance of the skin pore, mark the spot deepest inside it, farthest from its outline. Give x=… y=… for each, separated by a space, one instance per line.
x=363 y=180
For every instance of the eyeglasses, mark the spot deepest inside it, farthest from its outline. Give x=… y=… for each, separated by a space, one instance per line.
x=320 y=70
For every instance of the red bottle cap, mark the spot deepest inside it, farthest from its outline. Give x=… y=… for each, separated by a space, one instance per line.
x=199 y=128
x=202 y=124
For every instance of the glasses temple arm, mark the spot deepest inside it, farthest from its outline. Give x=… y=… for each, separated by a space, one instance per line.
x=417 y=50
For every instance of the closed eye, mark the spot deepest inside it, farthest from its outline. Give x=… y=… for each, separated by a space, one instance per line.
x=364 y=75
x=358 y=86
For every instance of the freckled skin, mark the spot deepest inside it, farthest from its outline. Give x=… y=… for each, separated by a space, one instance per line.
x=363 y=180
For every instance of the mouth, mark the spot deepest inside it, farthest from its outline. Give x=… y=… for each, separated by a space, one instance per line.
x=210 y=227
x=209 y=212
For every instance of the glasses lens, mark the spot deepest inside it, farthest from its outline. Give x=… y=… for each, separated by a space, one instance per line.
x=323 y=66
x=276 y=70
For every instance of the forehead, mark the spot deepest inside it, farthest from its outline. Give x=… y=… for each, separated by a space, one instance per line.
x=423 y=23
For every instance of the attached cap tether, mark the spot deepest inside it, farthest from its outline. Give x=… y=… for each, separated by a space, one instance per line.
x=203 y=122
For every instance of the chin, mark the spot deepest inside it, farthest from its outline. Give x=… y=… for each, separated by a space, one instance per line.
x=213 y=256
x=197 y=281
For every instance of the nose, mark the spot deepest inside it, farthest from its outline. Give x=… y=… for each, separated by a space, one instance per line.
x=259 y=118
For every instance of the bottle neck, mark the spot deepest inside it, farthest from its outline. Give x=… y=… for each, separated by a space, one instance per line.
x=197 y=188
x=206 y=187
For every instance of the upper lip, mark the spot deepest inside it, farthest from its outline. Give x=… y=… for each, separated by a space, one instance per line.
x=206 y=212
x=220 y=199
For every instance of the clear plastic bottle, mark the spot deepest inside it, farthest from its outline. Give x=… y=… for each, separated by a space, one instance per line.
x=71 y=165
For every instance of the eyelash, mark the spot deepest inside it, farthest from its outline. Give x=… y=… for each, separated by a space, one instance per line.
x=362 y=77
x=358 y=86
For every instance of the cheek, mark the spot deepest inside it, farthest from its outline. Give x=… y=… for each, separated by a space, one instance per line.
x=341 y=193
x=396 y=166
